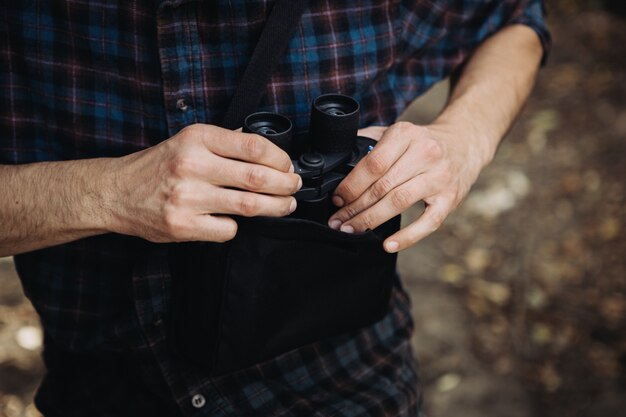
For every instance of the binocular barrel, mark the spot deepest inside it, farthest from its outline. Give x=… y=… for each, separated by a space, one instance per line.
x=334 y=123
x=333 y=128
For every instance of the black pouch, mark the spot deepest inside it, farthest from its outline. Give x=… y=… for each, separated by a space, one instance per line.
x=280 y=284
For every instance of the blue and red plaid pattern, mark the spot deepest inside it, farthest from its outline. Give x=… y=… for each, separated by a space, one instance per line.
x=93 y=78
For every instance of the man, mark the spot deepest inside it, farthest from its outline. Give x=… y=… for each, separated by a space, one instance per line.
x=109 y=139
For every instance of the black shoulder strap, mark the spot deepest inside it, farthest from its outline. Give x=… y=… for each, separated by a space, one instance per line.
x=283 y=19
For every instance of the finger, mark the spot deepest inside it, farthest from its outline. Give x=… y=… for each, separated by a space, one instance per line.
x=243 y=146
x=395 y=202
x=372 y=167
x=373 y=132
x=253 y=177
x=212 y=228
x=402 y=171
x=257 y=149
x=429 y=221
x=247 y=204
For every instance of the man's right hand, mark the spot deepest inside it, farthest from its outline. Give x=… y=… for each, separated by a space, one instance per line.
x=184 y=188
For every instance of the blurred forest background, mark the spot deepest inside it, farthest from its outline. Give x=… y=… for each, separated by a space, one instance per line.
x=520 y=299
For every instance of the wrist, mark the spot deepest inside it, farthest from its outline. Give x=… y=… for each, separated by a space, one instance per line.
x=102 y=196
x=478 y=139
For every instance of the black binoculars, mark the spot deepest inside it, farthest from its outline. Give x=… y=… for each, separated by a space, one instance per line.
x=323 y=156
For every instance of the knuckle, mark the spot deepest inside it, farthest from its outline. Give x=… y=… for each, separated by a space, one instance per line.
x=403 y=126
x=366 y=221
x=401 y=199
x=407 y=237
x=187 y=130
x=253 y=147
x=191 y=131
x=346 y=191
x=248 y=205
x=178 y=194
x=350 y=211
x=376 y=164
x=436 y=220
x=181 y=164
x=432 y=150
x=173 y=224
x=255 y=178
x=176 y=164
x=408 y=240
x=381 y=188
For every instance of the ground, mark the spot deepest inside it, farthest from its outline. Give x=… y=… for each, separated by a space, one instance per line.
x=519 y=300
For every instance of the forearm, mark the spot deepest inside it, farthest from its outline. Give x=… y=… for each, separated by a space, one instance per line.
x=438 y=163
x=50 y=203
x=492 y=89
x=181 y=190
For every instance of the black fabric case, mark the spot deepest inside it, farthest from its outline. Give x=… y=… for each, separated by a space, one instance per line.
x=280 y=284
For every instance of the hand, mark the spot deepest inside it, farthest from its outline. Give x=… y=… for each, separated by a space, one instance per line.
x=183 y=188
x=410 y=163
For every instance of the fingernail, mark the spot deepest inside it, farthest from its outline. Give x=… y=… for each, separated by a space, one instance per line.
x=337 y=201
x=292 y=169
x=346 y=228
x=392 y=246
x=299 y=183
x=335 y=224
x=293 y=205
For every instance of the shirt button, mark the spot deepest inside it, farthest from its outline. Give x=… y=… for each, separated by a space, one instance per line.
x=181 y=104
x=198 y=401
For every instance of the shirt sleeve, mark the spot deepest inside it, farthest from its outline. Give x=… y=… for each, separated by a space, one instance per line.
x=455 y=28
x=532 y=14
x=473 y=21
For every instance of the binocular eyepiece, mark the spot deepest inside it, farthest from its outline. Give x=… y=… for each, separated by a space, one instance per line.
x=324 y=155
x=334 y=125
x=273 y=126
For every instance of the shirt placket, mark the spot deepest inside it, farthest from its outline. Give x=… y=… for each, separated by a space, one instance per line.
x=179 y=50
x=183 y=99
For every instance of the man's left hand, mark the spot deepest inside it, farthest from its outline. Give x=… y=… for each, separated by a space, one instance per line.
x=410 y=163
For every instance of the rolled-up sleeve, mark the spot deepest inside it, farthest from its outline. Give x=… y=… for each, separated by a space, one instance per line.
x=532 y=14
x=443 y=34
x=470 y=22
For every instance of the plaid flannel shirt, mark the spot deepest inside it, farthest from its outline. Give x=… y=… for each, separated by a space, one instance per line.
x=94 y=78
